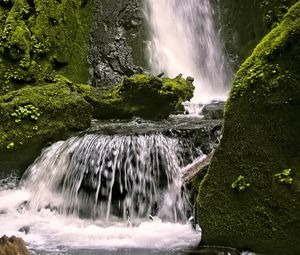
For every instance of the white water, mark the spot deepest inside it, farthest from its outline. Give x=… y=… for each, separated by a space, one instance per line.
x=184 y=40
x=71 y=197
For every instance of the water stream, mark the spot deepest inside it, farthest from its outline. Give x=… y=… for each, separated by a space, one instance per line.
x=184 y=41
x=101 y=192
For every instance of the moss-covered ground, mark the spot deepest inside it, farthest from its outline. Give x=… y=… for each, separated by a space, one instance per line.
x=250 y=197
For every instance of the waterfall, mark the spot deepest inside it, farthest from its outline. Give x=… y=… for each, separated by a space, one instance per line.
x=101 y=192
x=98 y=176
x=184 y=40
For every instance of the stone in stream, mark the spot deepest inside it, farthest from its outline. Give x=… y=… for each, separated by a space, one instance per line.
x=214 y=110
x=12 y=246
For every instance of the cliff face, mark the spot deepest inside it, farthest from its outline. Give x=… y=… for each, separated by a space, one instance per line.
x=250 y=197
x=244 y=23
x=117 y=41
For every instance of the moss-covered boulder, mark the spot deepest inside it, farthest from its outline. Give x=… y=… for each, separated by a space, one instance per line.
x=141 y=95
x=39 y=38
x=250 y=197
x=12 y=246
x=244 y=23
x=32 y=116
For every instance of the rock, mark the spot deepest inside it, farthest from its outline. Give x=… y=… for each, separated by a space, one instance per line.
x=245 y=23
x=214 y=110
x=249 y=198
x=25 y=229
x=12 y=246
x=142 y=95
x=117 y=41
x=39 y=39
x=214 y=250
x=33 y=116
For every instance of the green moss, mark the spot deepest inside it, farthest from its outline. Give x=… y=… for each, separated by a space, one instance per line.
x=41 y=38
x=261 y=137
x=240 y=184
x=285 y=176
x=141 y=95
x=248 y=21
x=33 y=116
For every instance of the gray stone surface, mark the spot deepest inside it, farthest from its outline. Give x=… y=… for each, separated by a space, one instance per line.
x=117 y=41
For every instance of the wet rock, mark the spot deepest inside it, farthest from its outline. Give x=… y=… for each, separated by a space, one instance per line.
x=12 y=246
x=25 y=229
x=214 y=110
x=117 y=41
x=214 y=250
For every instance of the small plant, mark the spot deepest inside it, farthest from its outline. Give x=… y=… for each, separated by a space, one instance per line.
x=285 y=176
x=26 y=112
x=240 y=184
x=10 y=145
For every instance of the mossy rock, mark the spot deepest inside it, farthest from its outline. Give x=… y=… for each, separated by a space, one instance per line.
x=141 y=95
x=250 y=197
x=12 y=246
x=39 y=39
x=246 y=22
x=33 y=116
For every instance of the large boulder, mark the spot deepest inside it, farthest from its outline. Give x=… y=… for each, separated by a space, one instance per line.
x=250 y=197
x=141 y=95
x=12 y=246
x=33 y=116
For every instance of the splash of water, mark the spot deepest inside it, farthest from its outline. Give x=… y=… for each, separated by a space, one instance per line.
x=184 y=41
x=102 y=192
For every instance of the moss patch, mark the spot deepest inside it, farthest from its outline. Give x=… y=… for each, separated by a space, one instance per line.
x=246 y=22
x=32 y=116
x=261 y=139
x=41 y=38
x=141 y=95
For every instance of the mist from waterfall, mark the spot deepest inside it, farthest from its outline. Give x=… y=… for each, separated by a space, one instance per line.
x=184 y=40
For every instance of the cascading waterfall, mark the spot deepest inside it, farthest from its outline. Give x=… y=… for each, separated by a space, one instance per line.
x=102 y=192
x=184 y=40
x=102 y=176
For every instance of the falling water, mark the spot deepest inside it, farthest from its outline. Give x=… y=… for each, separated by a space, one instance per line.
x=102 y=192
x=184 y=40
x=103 y=176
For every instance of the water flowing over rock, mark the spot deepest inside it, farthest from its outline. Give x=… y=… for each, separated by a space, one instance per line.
x=98 y=176
x=184 y=40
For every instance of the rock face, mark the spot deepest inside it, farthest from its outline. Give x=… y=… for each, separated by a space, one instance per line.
x=244 y=23
x=12 y=246
x=41 y=38
x=117 y=41
x=250 y=197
